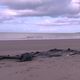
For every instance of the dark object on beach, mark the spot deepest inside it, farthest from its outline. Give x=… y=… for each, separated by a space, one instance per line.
x=55 y=55
x=9 y=57
x=72 y=54
x=26 y=57
x=21 y=58
x=70 y=50
x=55 y=50
x=36 y=53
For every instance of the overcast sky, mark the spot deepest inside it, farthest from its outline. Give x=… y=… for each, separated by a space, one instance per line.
x=40 y=16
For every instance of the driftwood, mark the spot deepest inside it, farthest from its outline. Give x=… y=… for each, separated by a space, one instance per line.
x=21 y=58
x=50 y=53
x=9 y=57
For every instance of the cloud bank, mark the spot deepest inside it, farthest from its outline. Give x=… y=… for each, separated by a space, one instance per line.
x=54 y=8
x=40 y=15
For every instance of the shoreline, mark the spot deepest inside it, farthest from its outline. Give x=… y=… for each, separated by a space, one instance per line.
x=40 y=39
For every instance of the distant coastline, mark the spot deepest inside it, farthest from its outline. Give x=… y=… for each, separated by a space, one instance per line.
x=37 y=36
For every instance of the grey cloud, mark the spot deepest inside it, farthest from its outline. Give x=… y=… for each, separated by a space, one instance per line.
x=36 y=4
x=42 y=7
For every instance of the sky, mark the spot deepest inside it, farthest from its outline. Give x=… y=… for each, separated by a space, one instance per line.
x=40 y=16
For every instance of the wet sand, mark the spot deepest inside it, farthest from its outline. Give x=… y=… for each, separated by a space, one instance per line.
x=59 y=68
x=31 y=45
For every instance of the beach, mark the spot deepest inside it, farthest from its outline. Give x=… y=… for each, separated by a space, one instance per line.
x=54 y=68
x=38 y=45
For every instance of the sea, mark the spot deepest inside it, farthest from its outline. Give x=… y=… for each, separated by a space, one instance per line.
x=37 y=36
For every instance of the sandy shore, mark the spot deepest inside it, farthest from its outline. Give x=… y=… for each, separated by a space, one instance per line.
x=37 y=45
x=59 y=68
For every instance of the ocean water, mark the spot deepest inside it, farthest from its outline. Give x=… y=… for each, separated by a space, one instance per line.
x=38 y=36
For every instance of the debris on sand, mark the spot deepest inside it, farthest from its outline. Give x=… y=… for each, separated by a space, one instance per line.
x=28 y=56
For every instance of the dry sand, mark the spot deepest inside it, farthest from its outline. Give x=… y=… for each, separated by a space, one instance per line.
x=60 y=68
